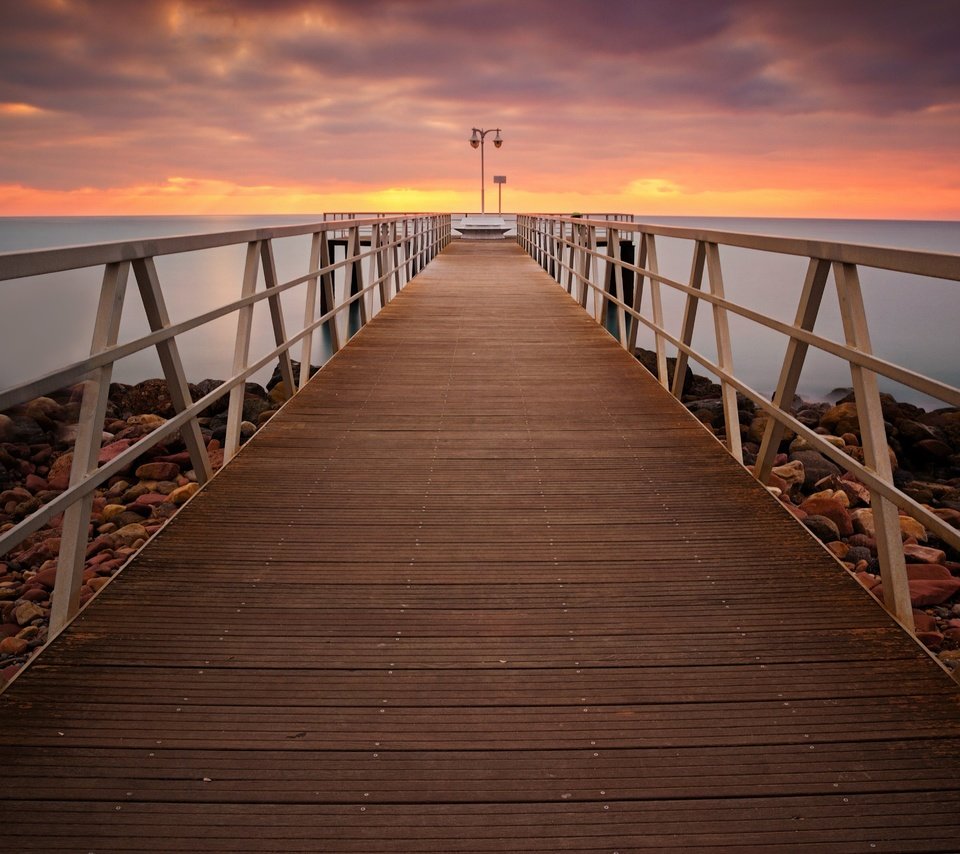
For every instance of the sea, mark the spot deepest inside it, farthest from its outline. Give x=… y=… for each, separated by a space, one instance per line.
x=47 y=321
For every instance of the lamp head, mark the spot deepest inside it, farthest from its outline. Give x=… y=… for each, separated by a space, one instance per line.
x=475 y=139
x=497 y=141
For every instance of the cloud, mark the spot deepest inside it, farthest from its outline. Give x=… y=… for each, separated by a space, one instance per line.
x=382 y=94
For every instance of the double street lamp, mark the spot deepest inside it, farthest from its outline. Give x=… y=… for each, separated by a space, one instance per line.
x=477 y=142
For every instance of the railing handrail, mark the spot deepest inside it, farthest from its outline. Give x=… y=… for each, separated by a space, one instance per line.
x=921 y=262
x=568 y=248
x=37 y=262
x=393 y=249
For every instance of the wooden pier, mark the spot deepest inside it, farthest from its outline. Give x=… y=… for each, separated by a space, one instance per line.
x=482 y=586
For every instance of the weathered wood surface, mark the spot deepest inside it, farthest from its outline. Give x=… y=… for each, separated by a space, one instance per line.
x=482 y=586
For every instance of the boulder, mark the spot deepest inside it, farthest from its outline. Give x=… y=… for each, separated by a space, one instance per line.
x=822 y=528
x=815 y=467
x=924 y=554
x=158 y=471
x=833 y=510
x=841 y=419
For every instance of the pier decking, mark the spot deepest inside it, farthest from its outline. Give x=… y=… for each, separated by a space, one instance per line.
x=482 y=586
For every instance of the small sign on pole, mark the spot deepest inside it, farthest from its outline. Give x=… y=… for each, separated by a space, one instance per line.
x=499 y=180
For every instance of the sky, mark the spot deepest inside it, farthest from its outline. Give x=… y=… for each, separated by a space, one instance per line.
x=820 y=108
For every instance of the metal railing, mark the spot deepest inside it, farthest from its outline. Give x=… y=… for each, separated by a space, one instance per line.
x=567 y=247
x=393 y=249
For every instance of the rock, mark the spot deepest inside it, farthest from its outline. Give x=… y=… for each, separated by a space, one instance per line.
x=832 y=510
x=129 y=534
x=26 y=612
x=801 y=444
x=648 y=358
x=910 y=527
x=151 y=397
x=839 y=549
x=862 y=519
x=150 y=499
x=924 y=554
x=183 y=493
x=205 y=387
x=158 y=471
x=792 y=474
x=6 y=428
x=758 y=425
x=253 y=407
x=841 y=419
x=933 y=449
x=922 y=571
x=58 y=477
x=13 y=646
x=114 y=449
x=822 y=528
x=111 y=512
x=279 y=394
x=35 y=483
x=924 y=622
x=815 y=467
x=931 y=640
x=47 y=577
x=41 y=408
x=925 y=592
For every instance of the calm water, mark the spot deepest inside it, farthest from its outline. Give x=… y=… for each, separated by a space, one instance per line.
x=47 y=321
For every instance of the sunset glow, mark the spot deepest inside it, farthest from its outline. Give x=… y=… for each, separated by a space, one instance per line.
x=745 y=107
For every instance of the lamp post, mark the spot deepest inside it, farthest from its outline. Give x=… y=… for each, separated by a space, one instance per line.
x=477 y=141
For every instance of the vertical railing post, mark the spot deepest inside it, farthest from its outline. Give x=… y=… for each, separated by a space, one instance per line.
x=241 y=351
x=886 y=518
x=155 y=309
x=721 y=327
x=689 y=317
x=310 y=310
x=657 y=305
x=271 y=281
x=807 y=311
x=395 y=258
x=638 y=278
x=328 y=283
x=86 y=450
x=354 y=271
x=589 y=261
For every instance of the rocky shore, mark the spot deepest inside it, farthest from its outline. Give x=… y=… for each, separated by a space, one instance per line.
x=36 y=453
x=924 y=450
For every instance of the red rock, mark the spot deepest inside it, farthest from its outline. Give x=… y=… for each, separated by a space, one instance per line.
x=97 y=583
x=216 y=459
x=841 y=550
x=150 y=499
x=952 y=635
x=924 y=622
x=9 y=630
x=8 y=673
x=36 y=594
x=114 y=449
x=926 y=591
x=58 y=477
x=35 y=483
x=932 y=591
x=867 y=580
x=181 y=459
x=158 y=471
x=923 y=554
x=832 y=510
x=46 y=577
x=931 y=640
x=101 y=557
x=13 y=646
x=922 y=571
x=949 y=515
